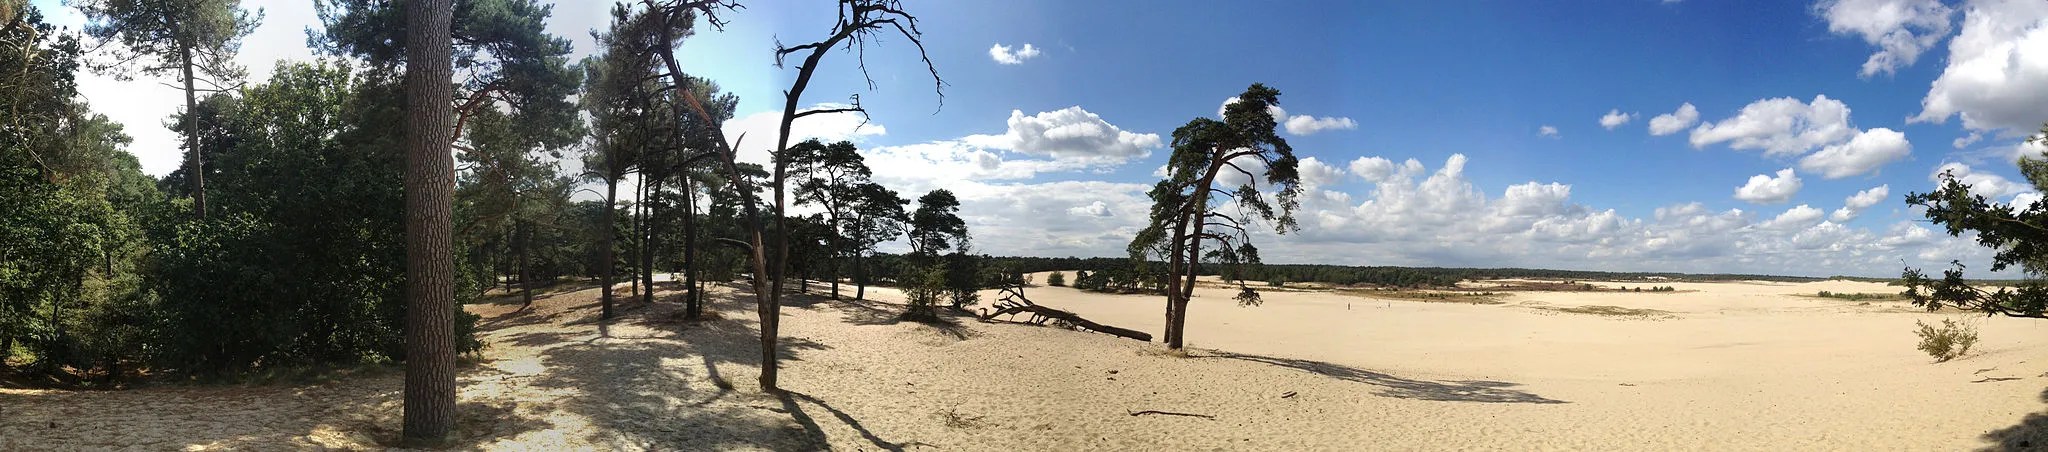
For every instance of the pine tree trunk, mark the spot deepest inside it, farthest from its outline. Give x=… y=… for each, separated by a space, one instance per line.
x=633 y=228
x=611 y=196
x=692 y=303
x=525 y=237
x=198 y=168
x=860 y=276
x=767 y=300
x=429 y=236
x=647 y=248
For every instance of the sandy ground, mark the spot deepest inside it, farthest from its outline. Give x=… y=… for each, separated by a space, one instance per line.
x=1730 y=366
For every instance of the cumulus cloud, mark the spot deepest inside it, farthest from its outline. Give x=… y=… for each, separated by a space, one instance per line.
x=1670 y=123
x=1315 y=173
x=1070 y=134
x=1997 y=73
x=1377 y=169
x=1093 y=209
x=1765 y=189
x=1003 y=55
x=1781 y=126
x=759 y=131
x=1967 y=140
x=1307 y=125
x=1901 y=29
x=1297 y=124
x=1413 y=215
x=1794 y=218
x=1548 y=131
x=1982 y=183
x=1615 y=118
x=1854 y=205
x=1864 y=154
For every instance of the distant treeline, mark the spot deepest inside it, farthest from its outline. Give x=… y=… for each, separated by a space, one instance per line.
x=1374 y=275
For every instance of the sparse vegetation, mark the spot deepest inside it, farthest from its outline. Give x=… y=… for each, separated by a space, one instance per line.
x=1952 y=339
x=1861 y=296
x=1612 y=311
x=1430 y=296
x=1056 y=279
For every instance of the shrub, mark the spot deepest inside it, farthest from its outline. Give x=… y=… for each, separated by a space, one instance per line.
x=1947 y=342
x=1056 y=279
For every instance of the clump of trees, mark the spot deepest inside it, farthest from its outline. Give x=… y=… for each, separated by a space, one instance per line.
x=1056 y=279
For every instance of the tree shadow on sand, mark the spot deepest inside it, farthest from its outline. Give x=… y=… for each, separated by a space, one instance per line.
x=1398 y=387
x=2030 y=434
x=668 y=393
x=789 y=403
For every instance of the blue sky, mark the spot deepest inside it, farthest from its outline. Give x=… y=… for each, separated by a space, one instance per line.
x=1051 y=154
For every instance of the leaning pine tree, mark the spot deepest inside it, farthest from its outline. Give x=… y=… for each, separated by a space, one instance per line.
x=1189 y=209
x=2019 y=233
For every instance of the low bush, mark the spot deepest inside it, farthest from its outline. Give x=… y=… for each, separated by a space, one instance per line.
x=1952 y=339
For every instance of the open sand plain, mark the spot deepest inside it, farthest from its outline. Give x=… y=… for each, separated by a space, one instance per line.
x=1722 y=366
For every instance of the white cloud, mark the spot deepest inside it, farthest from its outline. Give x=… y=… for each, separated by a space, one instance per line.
x=1764 y=189
x=1670 y=123
x=1987 y=184
x=1854 y=205
x=754 y=135
x=1093 y=209
x=1411 y=215
x=1306 y=125
x=1070 y=134
x=1795 y=218
x=1548 y=131
x=1864 y=154
x=1997 y=73
x=1315 y=173
x=1376 y=169
x=1780 y=126
x=1003 y=55
x=1967 y=140
x=1615 y=118
x=1901 y=29
x=1297 y=124
x=2035 y=146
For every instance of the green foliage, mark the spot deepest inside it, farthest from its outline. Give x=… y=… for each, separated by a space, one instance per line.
x=965 y=277
x=69 y=236
x=1056 y=279
x=1952 y=339
x=2019 y=234
x=1860 y=296
x=936 y=225
x=166 y=30
x=302 y=259
x=922 y=290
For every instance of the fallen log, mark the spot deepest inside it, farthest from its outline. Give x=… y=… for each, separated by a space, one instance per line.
x=1013 y=302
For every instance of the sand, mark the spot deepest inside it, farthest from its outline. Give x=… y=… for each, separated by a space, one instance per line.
x=1724 y=366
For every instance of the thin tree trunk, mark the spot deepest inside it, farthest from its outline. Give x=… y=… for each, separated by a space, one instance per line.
x=633 y=227
x=692 y=307
x=198 y=168
x=429 y=408
x=525 y=237
x=767 y=301
x=860 y=275
x=611 y=196
x=647 y=241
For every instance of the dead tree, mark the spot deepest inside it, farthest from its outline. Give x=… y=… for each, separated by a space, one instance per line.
x=1013 y=302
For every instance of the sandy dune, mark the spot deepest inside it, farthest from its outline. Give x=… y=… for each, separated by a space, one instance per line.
x=1727 y=367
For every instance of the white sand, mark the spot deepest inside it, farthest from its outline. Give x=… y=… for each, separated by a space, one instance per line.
x=1732 y=367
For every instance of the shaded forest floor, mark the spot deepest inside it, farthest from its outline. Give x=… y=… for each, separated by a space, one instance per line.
x=553 y=378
